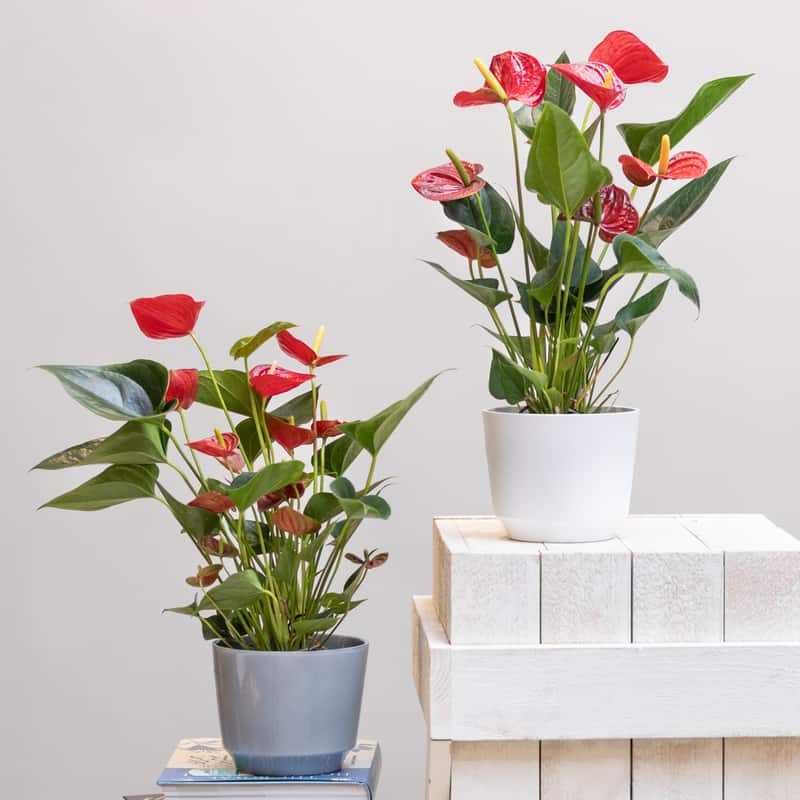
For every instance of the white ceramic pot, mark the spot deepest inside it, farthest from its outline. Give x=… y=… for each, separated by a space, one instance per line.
x=561 y=477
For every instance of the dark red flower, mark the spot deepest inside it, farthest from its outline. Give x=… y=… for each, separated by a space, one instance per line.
x=596 y=80
x=521 y=76
x=294 y=522
x=271 y=380
x=461 y=241
x=167 y=316
x=215 y=502
x=288 y=436
x=371 y=562
x=182 y=386
x=682 y=166
x=618 y=214
x=326 y=428
x=205 y=575
x=300 y=351
x=292 y=492
x=215 y=547
x=444 y=183
x=212 y=446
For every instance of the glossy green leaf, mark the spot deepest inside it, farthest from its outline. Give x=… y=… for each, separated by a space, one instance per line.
x=135 y=442
x=188 y=611
x=557 y=252
x=483 y=293
x=497 y=210
x=636 y=256
x=302 y=627
x=249 y=443
x=300 y=407
x=237 y=591
x=559 y=90
x=560 y=167
x=644 y=139
x=255 y=533
x=343 y=487
x=340 y=454
x=590 y=132
x=373 y=433
x=197 y=522
x=632 y=316
x=667 y=217
x=370 y=507
x=269 y=479
x=247 y=345
x=132 y=390
x=234 y=385
x=509 y=381
x=323 y=506
x=526 y=118
x=116 y=484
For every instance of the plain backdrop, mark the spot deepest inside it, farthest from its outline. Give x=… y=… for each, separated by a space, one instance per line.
x=258 y=155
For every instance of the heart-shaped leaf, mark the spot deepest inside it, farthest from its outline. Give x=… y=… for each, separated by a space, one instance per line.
x=498 y=213
x=117 y=484
x=237 y=591
x=247 y=345
x=234 y=387
x=197 y=522
x=632 y=316
x=300 y=407
x=250 y=486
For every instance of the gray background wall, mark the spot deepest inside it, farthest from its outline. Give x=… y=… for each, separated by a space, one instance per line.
x=258 y=156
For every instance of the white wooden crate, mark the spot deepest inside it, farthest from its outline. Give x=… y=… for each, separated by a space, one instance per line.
x=662 y=664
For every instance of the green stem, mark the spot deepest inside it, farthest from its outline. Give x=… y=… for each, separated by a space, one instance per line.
x=619 y=369
x=649 y=205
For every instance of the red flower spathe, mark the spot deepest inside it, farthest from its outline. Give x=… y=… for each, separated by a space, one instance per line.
x=271 y=380
x=215 y=502
x=288 y=436
x=618 y=214
x=168 y=316
x=591 y=78
x=300 y=351
x=326 y=428
x=463 y=244
x=521 y=75
x=292 y=492
x=183 y=384
x=444 y=183
x=212 y=446
x=682 y=166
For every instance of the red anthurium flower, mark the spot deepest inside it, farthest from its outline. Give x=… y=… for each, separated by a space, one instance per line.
x=182 y=386
x=205 y=575
x=443 y=183
x=215 y=502
x=326 y=428
x=618 y=214
x=215 y=547
x=682 y=166
x=271 y=380
x=234 y=462
x=370 y=562
x=294 y=522
x=214 y=447
x=293 y=347
x=521 y=76
x=621 y=58
x=292 y=492
x=167 y=316
x=460 y=241
x=288 y=436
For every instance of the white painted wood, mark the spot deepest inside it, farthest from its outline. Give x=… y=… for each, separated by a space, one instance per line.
x=438 y=769
x=485 y=585
x=762 y=603
x=488 y=692
x=586 y=598
x=677 y=597
x=507 y=770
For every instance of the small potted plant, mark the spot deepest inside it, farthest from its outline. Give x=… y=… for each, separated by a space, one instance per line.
x=266 y=502
x=561 y=452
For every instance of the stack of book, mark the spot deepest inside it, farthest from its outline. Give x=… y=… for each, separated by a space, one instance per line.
x=200 y=769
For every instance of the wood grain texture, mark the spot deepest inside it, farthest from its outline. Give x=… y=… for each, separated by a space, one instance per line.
x=586 y=598
x=766 y=769
x=508 y=770
x=677 y=597
x=438 y=770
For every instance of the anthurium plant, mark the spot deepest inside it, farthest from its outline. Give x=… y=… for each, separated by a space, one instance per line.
x=557 y=327
x=265 y=499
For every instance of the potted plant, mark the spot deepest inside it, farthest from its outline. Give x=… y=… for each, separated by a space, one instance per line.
x=561 y=451
x=270 y=529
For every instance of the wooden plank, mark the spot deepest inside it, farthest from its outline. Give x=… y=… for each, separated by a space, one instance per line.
x=762 y=603
x=586 y=598
x=438 y=770
x=677 y=597
x=485 y=586
x=495 y=769
x=646 y=691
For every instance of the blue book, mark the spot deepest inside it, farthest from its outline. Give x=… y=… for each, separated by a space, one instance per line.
x=201 y=768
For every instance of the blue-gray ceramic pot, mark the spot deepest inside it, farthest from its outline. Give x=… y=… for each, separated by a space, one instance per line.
x=290 y=713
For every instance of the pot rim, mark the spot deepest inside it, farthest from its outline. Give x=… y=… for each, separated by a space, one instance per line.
x=507 y=410
x=357 y=643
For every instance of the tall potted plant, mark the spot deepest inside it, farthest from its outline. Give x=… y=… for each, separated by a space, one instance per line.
x=270 y=529
x=561 y=451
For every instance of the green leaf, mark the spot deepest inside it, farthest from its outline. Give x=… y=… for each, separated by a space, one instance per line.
x=644 y=139
x=560 y=167
x=483 y=293
x=237 y=591
x=590 y=132
x=558 y=89
x=302 y=627
x=197 y=522
x=668 y=216
x=117 y=484
x=370 y=507
x=134 y=390
x=499 y=216
x=632 y=316
x=636 y=256
x=557 y=252
x=251 y=533
x=269 y=479
x=234 y=387
x=188 y=611
x=506 y=383
x=323 y=506
x=526 y=118
x=134 y=443
x=249 y=443
x=340 y=454
x=247 y=345
x=343 y=487
x=372 y=433
x=300 y=407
